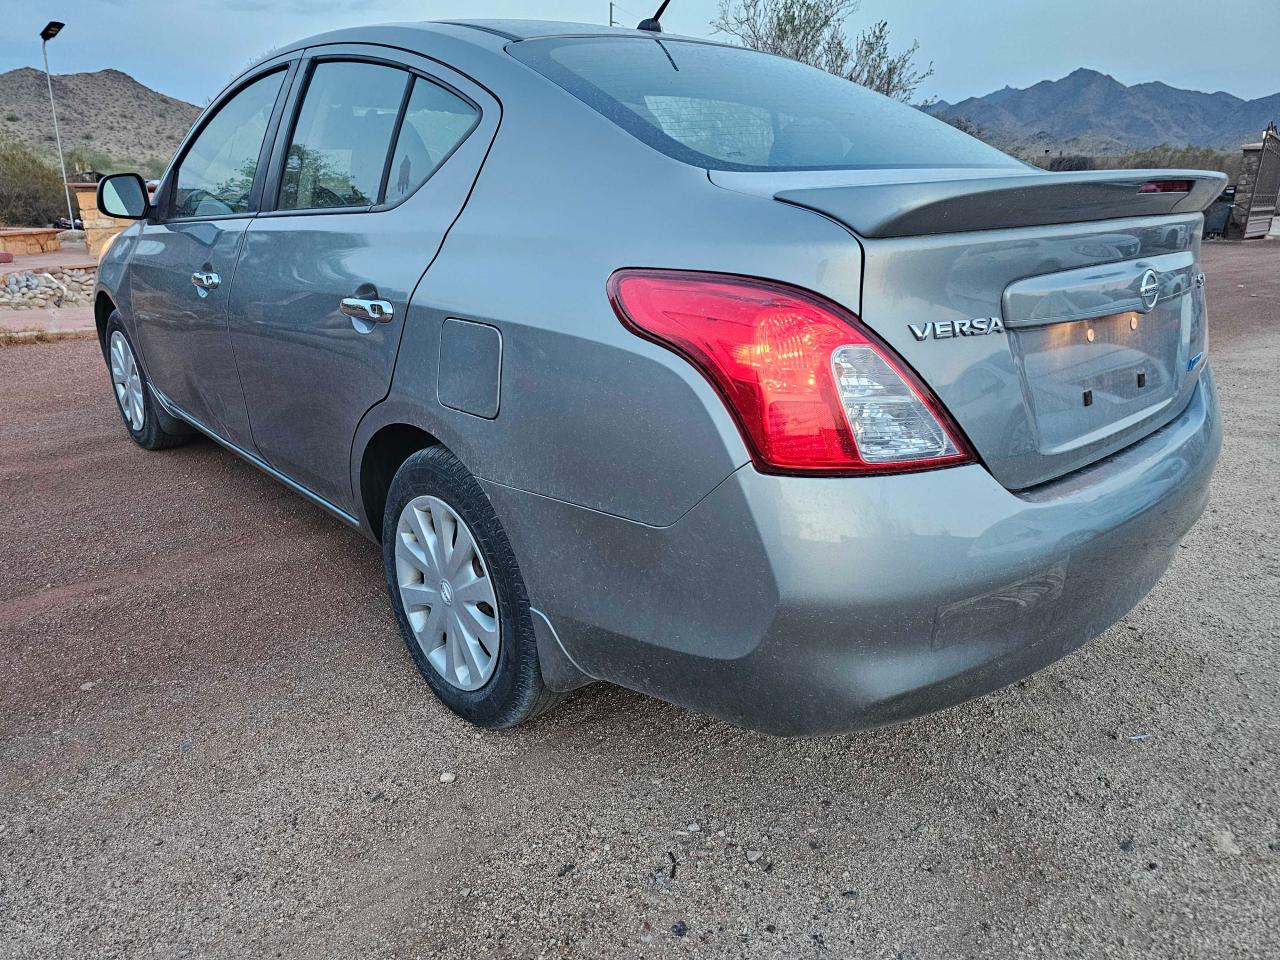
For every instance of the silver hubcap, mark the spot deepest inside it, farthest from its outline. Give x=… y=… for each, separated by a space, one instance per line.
x=447 y=593
x=127 y=380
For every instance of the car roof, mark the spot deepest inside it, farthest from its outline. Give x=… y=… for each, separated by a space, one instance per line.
x=500 y=31
x=528 y=29
x=457 y=41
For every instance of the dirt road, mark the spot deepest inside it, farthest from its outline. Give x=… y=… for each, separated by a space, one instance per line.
x=214 y=744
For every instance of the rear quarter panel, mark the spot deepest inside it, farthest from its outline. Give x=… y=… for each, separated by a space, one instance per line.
x=588 y=412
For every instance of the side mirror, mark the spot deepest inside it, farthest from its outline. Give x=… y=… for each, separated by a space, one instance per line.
x=123 y=196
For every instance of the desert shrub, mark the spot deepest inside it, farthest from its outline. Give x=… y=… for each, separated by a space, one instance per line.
x=31 y=193
x=965 y=125
x=1072 y=163
x=86 y=158
x=1186 y=158
x=151 y=168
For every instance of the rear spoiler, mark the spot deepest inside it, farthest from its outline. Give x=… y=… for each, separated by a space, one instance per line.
x=1024 y=200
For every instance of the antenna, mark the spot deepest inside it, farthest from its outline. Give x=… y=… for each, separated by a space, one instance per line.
x=652 y=23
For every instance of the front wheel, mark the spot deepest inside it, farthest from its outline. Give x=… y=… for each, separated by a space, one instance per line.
x=458 y=594
x=148 y=425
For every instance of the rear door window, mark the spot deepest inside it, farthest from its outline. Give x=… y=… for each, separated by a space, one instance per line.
x=338 y=150
x=435 y=122
x=728 y=108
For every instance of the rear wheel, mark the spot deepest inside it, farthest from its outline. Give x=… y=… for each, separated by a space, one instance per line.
x=149 y=426
x=458 y=594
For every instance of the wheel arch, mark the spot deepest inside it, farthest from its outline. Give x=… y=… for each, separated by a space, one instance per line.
x=390 y=446
x=103 y=307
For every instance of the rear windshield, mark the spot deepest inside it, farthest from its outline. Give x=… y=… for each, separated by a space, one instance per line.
x=728 y=108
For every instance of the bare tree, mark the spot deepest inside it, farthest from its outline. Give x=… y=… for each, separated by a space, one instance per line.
x=812 y=31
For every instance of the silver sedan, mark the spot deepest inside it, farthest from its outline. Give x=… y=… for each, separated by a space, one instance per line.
x=671 y=364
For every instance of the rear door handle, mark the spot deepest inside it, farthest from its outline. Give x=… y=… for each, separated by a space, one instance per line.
x=375 y=311
x=206 y=279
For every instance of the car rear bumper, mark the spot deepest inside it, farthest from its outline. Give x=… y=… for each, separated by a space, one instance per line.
x=801 y=606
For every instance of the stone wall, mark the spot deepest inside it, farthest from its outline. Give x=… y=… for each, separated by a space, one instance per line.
x=26 y=241
x=1244 y=189
x=54 y=287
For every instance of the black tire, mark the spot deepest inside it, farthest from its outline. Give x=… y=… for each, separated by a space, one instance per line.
x=159 y=430
x=515 y=693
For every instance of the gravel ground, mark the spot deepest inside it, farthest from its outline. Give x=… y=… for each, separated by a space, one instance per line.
x=214 y=744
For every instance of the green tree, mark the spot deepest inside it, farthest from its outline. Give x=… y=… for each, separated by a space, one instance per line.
x=31 y=192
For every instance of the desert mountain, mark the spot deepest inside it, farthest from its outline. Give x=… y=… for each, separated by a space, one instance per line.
x=107 y=112
x=1098 y=113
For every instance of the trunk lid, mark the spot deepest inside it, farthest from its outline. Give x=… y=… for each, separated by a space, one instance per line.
x=1058 y=317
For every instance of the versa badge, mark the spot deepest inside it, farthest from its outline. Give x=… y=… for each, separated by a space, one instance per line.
x=946 y=329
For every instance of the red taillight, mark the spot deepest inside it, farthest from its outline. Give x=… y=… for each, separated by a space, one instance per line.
x=812 y=389
x=1166 y=186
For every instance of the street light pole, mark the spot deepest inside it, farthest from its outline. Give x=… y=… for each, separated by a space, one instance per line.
x=51 y=30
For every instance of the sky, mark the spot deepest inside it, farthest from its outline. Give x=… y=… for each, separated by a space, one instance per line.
x=192 y=49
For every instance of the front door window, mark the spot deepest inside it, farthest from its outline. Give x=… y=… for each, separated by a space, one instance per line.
x=215 y=178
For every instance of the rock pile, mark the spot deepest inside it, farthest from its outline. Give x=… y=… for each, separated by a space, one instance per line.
x=55 y=287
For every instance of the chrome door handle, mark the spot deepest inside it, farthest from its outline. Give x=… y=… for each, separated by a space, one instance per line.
x=375 y=311
x=206 y=280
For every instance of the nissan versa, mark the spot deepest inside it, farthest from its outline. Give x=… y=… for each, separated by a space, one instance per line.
x=677 y=365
